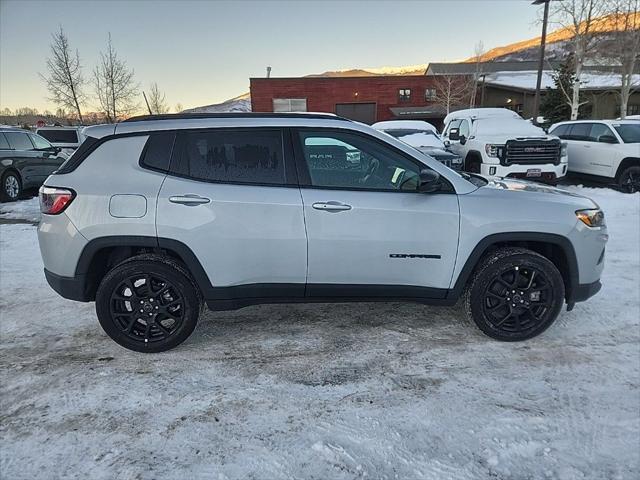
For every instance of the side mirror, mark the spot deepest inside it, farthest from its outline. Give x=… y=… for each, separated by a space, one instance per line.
x=463 y=139
x=454 y=134
x=429 y=181
x=607 y=139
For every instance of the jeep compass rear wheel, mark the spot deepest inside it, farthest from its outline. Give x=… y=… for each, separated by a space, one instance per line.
x=515 y=294
x=148 y=305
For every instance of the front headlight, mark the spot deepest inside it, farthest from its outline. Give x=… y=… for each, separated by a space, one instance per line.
x=492 y=150
x=563 y=149
x=591 y=217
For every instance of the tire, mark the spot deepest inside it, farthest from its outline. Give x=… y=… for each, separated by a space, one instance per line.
x=10 y=187
x=629 y=179
x=154 y=321
x=514 y=277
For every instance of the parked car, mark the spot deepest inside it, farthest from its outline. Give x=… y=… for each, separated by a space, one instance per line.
x=153 y=216
x=67 y=138
x=26 y=160
x=608 y=150
x=423 y=136
x=499 y=142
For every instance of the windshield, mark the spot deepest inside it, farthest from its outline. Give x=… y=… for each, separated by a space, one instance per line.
x=416 y=137
x=59 y=136
x=630 y=133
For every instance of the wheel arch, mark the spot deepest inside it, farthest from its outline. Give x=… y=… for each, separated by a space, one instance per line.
x=556 y=248
x=12 y=169
x=625 y=163
x=472 y=155
x=102 y=254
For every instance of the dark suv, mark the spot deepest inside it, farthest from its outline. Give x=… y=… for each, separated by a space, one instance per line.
x=26 y=160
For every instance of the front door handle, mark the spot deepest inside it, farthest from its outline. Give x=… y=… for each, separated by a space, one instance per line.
x=331 y=206
x=189 y=200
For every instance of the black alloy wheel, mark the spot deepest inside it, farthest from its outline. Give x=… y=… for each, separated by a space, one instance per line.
x=629 y=181
x=147 y=307
x=148 y=304
x=517 y=299
x=515 y=294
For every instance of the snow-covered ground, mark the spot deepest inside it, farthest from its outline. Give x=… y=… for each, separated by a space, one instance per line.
x=321 y=391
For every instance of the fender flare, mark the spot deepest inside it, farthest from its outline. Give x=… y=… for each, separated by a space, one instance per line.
x=550 y=238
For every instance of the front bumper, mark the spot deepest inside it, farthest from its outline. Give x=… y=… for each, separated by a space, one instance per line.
x=550 y=173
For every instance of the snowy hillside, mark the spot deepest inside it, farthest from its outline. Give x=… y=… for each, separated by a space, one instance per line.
x=241 y=103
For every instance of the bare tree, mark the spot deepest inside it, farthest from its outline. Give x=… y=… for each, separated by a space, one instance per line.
x=477 y=58
x=114 y=85
x=624 y=49
x=157 y=101
x=178 y=108
x=579 y=18
x=453 y=91
x=64 y=78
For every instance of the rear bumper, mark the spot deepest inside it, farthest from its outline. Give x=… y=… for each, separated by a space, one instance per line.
x=584 y=291
x=72 y=288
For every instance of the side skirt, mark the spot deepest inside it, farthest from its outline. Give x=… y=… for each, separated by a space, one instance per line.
x=233 y=298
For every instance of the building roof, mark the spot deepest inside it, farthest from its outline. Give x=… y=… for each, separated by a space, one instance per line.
x=470 y=68
x=526 y=80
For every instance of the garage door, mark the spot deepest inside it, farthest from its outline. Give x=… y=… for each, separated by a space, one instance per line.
x=361 y=112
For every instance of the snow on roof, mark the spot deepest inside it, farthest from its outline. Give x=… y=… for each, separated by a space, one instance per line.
x=404 y=125
x=526 y=80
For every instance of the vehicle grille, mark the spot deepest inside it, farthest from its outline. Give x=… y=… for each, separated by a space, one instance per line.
x=531 y=152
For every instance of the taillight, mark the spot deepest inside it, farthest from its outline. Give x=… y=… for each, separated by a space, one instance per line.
x=54 y=200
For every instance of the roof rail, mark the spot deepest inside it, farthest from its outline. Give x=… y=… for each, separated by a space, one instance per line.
x=184 y=116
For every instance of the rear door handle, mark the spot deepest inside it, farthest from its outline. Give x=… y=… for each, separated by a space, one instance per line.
x=189 y=200
x=331 y=206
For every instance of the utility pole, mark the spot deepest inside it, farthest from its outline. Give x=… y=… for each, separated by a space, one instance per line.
x=543 y=42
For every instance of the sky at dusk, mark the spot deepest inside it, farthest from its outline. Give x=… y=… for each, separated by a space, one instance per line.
x=203 y=52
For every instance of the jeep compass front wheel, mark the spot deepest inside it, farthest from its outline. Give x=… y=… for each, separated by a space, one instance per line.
x=515 y=294
x=148 y=304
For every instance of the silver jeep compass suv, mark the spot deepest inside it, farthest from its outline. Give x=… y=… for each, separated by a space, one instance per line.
x=155 y=216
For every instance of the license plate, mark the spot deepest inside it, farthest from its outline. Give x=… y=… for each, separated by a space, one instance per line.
x=534 y=172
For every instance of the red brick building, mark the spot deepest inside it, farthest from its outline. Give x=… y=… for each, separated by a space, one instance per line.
x=366 y=99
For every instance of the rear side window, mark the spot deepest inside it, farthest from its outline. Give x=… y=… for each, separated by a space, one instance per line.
x=580 y=131
x=18 y=141
x=157 y=152
x=59 y=136
x=235 y=156
x=4 y=145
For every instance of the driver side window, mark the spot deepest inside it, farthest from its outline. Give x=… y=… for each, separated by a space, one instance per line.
x=345 y=160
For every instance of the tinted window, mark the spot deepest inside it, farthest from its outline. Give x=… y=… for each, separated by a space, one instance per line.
x=345 y=160
x=560 y=131
x=580 y=131
x=4 y=145
x=157 y=152
x=18 y=140
x=598 y=130
x=60 y=136
x=630 y=133
x=39 y=142
x=237 y=156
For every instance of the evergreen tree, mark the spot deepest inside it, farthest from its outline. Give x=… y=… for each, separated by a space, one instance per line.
x=555 y=106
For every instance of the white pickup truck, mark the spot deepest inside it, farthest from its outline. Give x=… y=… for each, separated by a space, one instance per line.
x=499 y=142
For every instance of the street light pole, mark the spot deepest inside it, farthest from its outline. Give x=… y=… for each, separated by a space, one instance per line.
x=543 y=42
